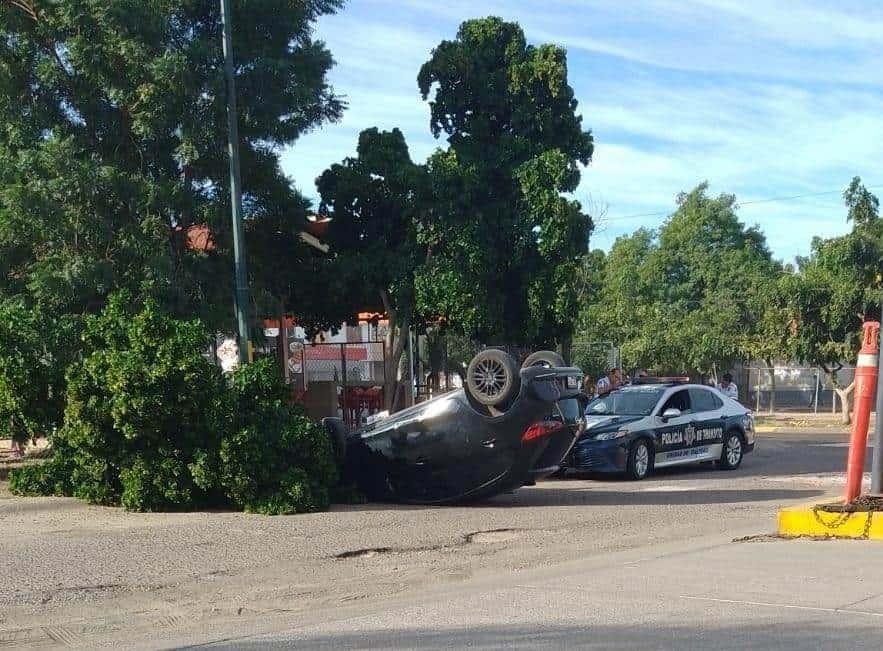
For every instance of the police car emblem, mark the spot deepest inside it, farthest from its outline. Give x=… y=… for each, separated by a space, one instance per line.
x=689 y=435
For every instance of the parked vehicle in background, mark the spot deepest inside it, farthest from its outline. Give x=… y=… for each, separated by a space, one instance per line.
x=660 y=422
x=492 y=436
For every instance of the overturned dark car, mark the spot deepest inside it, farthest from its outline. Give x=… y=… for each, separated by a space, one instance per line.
x=504 y=429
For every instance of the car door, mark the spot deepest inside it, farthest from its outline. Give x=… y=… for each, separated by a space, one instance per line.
x=708 y=424
x=670 y=434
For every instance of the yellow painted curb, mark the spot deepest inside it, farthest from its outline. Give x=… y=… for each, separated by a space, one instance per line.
x=805 y=521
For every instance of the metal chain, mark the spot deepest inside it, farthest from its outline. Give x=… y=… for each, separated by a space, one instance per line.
x=867 y=531
x=838 y=521
x=842 y=519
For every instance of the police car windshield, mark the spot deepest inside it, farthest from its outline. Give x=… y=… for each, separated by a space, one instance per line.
x=628 y=401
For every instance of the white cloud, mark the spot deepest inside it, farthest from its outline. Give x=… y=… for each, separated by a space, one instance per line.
x=765 y=111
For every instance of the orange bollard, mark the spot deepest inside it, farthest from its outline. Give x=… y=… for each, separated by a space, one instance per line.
x=865 y=395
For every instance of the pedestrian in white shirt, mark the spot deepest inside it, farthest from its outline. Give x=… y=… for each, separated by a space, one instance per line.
x=608 y=383
x=728 y=387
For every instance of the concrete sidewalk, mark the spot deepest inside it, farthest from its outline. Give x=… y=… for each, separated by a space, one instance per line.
x=757 y=594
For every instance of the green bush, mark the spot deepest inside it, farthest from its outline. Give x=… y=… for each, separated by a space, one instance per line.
x=30 y=480
x=273 y=460
x=34 y=347
x=151 y=423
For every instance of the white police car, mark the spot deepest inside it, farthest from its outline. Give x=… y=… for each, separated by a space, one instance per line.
x=660 y=422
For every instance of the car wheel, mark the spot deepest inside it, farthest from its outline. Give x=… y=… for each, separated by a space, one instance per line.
x=639 y=462
x=492 y=378
x=731 y=456
x=548 y=358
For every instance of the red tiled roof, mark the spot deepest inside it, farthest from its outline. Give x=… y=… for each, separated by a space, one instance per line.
x=317 y=226
x=199 y=238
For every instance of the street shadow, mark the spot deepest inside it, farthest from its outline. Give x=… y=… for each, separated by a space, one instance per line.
x=588 y=494
x=804 y=633
x=591 y=496
x=772 y=458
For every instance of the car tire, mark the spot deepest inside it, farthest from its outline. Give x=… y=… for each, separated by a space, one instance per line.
x=640 y=460
x=733 y=452
x=547 y=358
x=492 y=378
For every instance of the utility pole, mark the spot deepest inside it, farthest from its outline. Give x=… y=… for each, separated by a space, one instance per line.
x=240 y=272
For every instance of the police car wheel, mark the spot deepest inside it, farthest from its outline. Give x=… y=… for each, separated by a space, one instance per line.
x=731 y=456
x=639 y=461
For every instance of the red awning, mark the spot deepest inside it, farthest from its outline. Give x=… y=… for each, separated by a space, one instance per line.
x=331 y=352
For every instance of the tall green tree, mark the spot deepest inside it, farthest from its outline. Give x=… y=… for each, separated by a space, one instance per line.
x=712 y=273
x=374 y=200
x=623 y=308
x=113 y=144
x=771 y=336
x=114 y=139
x=691 y=296
x=838 y=288
x=503 y=242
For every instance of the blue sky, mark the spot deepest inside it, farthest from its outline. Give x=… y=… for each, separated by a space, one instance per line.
x=763 y=99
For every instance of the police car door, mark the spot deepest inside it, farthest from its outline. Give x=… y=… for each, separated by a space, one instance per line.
x=708 y=416
x=671 y=434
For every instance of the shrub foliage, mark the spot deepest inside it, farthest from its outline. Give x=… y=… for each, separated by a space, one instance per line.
x=150 y=423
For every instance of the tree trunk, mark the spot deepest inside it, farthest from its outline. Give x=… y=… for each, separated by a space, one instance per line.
x=845 y=396
x=394 y=346
x=389 y=367
x=565 y=348
x=282 y=348
x=406 y=379
x=771 y=371
x=843 y=393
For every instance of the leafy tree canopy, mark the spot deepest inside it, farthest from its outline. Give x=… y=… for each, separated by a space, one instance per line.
x=688 y=297
x=113 y=142
x=503 y=243
x=839 y=284
x=374 y=200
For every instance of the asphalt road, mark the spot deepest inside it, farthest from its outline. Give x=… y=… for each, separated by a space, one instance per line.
x=752 y=595
x=575 y=563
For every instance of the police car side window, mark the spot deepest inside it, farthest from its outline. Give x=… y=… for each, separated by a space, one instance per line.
x=704 y=400
x=679 y=400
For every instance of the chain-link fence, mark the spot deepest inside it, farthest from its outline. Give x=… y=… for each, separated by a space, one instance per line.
x=791 y=388
x=340 y=379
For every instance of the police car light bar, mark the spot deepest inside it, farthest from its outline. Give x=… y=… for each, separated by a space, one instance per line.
x=662 y=380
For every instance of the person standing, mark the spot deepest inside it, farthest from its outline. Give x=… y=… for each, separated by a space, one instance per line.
x=589 y=386
x=609 y=382
x=728 y=387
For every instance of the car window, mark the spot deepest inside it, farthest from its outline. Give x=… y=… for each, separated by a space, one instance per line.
x=570 y=407
x=679 y=400
x=704 y=400
x=630 y=401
